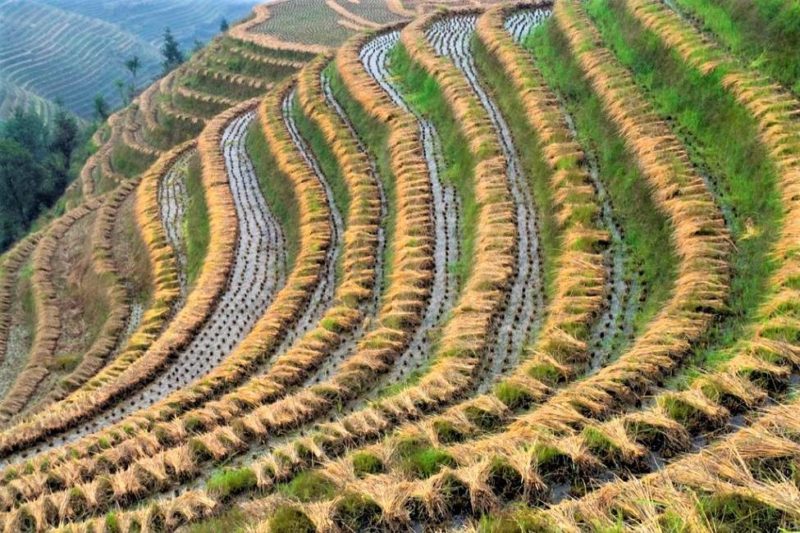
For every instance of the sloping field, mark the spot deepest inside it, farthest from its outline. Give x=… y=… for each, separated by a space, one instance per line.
x=524 y=267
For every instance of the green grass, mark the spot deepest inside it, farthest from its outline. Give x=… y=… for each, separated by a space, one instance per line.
x=765 y=34
x=194 y=106
x=424 y=94
x=288 y=519
x=233 y=520
x=196 y=230
x=171 y=132
x=647 y=231
x=722 y=138
x=292 y=55
x=277 y=189
x=241 y=65
x=308 y=486
x=419 y=459
x=329 y=165
x=129 y=162
x=229 y=482
x=375 y=137
x=208 y=85
x=365 y=463
x=529 y=150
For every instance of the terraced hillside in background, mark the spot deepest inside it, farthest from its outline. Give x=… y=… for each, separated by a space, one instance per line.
x=386 y=266
x=69 y=51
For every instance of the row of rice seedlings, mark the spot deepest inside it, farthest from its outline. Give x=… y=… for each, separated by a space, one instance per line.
x=224 y=61
x=357 y=22
x=11 y=263
x=200 y=302
x=704 y=255
x=48 y=314
x=180 y=438
x=745 y=482
x=299 y=58
x=265 y=58
x=245 y=32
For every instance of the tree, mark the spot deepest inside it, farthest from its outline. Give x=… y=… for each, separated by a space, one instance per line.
x=101 y=108
x=123 y=93
x=35 y=166
x=29 y=130
x=20 y=179
x=64 y=138
x=223 y=26
x=171 y=52
x=133 y=65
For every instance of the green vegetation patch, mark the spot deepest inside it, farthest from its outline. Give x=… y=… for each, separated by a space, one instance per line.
x=196 y=229
x=416 y=457
x=309 y=486
x=228 y=482
x=647 y=230
x=723 y=140
x=765 y=34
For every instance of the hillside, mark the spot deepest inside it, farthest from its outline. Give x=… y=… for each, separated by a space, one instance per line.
x=72 y=50
x=404 y=266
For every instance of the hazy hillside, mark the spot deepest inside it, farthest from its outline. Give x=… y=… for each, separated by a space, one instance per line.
x=71 y=50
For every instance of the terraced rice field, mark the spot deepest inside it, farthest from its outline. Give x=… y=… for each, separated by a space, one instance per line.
x=525 y=267
x=68 y=51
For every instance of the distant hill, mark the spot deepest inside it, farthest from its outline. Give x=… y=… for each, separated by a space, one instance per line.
x=71 y=50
